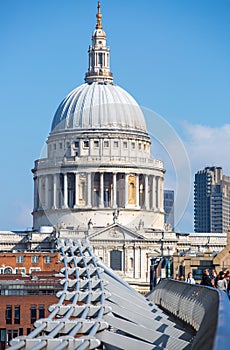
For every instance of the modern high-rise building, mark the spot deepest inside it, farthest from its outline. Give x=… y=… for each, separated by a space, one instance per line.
x=169 y=207
x=211 y=200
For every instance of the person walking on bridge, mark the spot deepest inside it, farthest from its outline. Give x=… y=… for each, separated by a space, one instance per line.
x=206 y=279
x=190 y=278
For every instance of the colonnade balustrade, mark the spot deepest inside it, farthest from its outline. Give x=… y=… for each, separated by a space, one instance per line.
x=98 y=190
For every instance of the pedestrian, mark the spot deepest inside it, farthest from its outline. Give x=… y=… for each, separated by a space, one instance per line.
x=222 y=283
x=207 y=280
x=214 y=276
x=227 y=276
x=190 y=279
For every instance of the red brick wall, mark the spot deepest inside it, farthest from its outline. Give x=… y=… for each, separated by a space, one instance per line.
x=25 y=303
x=10 y=259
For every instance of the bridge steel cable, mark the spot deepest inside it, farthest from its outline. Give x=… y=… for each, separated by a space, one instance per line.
x=96 y=309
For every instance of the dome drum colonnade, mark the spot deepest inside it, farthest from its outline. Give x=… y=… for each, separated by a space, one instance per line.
x=97 y=190
x=98 y=151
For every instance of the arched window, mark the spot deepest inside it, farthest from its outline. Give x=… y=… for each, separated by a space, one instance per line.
x=116 y=260
x=8 y=271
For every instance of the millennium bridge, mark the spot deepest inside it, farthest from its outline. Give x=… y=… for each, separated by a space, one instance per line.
x=96 y=309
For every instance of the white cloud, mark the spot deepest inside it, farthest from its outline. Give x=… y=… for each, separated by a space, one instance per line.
x=207 y=146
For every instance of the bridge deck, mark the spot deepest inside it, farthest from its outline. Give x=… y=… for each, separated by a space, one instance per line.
x=98 y=310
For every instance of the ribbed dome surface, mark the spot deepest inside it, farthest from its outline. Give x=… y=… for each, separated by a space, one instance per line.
x=98 y=106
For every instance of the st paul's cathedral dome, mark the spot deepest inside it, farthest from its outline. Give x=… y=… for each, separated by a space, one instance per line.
x=98 y=166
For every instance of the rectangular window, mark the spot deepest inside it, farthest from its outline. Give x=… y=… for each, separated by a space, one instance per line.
x=100 y=58
x=20 y=331
x=9 y=314
x=17 y=314
x=139 y=145
x=34 y=269
x=41 y=311
x=125 y=145
x=133 y=145
x=115 y=144
x=54 y=146
x=2 y=335
x=47 y=259
x=96 y=143
x=76 y=144
x=27 y=331
x=33 y=314
x=86 y=144
x=9 y=335
x=106 y=144
x=15 y=333
x=34 y=259
x=60 y=145
x=116 y=260
x=20 y=259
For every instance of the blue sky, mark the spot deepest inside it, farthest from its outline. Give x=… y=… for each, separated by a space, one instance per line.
x=172 y=56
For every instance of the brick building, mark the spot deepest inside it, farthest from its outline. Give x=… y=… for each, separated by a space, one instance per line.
x=23 y=300
x=22 y=262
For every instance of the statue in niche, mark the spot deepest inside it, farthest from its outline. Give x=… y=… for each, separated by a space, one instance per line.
x=115 y=215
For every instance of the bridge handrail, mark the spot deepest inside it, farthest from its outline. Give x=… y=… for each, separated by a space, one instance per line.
x=205 y=309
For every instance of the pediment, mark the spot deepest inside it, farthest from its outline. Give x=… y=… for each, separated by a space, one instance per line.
x=115 y=232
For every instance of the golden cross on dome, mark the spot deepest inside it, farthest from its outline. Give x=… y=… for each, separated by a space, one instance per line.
x=99 y=16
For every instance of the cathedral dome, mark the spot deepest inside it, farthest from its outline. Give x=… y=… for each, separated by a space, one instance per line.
x=98 y=106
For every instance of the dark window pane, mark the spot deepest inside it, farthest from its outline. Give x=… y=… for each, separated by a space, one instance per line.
x=9 y=314
x=9 y=336
x=115 y=260
x=33 y=314
x=17 y=314
x=15 y=333
x=41 y=311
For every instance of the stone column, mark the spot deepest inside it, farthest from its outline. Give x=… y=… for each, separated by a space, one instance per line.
x=134 y=262
x=114 y=190
x=76 y=190
x=161 y=194
x=55 y=191
x=137 y=191
x=47 y=192
x=65 y=204
x=153 y=192
x=146 y=192
x=39 y=184
x=35 y=193
x=126 y=190
x=124 y=262
x=158 y=191
x=101 y=203
x=141 y=268
x=89 y=190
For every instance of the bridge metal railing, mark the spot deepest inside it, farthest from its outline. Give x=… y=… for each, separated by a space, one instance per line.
x=205 y=309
